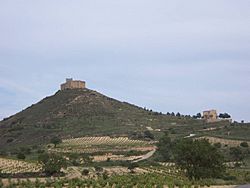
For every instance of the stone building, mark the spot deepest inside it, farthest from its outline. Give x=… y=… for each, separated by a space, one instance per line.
x=210 y=116
x=73 y=84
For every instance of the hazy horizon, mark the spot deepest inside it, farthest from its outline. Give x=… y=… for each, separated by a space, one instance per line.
x=181 y=56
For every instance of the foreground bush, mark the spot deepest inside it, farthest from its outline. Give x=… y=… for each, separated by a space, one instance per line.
x=52 y=163
x=198 y=158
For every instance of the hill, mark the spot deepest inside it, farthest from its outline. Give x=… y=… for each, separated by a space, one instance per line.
x=80 y=112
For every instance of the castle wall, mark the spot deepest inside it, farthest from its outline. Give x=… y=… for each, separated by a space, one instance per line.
x=210 y=116
x=73 y=84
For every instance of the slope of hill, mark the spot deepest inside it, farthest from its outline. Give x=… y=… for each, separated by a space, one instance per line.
x=79 y=112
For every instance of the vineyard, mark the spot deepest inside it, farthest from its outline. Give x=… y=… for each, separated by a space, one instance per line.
x=170 y=171
x=99 y=158
x=97 y=149
x=103 y=144
x=148 y=180
x=10 y=166
x=105 y=140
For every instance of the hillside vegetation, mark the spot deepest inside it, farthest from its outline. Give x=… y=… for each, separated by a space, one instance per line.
x=84 y=112
x=76 y=113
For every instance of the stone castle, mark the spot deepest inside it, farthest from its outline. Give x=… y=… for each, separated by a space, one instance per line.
x=73 y=84
x=210 y=116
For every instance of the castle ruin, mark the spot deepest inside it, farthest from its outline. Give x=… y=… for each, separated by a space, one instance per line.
x=210 y=116
x=73 y=84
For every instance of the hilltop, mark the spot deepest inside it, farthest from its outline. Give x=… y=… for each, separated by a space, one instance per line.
x=80 y=112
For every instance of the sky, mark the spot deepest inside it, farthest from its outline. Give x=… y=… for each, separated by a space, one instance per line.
x=169 y=56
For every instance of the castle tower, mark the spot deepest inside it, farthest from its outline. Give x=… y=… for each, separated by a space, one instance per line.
x=210 y=116
x=73 y=84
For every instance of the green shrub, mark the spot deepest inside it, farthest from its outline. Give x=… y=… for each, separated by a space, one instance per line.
x=21 y=156
x=10 y=140
x=98 y=168
x=52 y=163
x=244 y=144
x=229 y=178
x=85 y=172
x=1 y=183
x=247 y=177
x=55 y=140
x=217 y=145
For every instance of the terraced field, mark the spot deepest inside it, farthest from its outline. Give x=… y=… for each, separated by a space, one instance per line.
x=99 y=158
x=102 y=144
x=104 y=140
x=170 y=171
x=10 y=166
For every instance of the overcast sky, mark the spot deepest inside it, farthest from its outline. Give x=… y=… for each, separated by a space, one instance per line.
x=181 y=56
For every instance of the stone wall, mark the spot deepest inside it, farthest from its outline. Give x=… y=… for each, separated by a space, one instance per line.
x=210 y=116
x=73 y=84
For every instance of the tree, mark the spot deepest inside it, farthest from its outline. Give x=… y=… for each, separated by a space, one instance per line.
x=217 y=145
x=25 y=150
x=85 y=172
x=132 y=166
x=199 y=159
x=221 y=115
x=108 y=159
x=1 y=182
x=236 y=153
x=20 y=155
x=178 y=114
x=55 y=140
x=165 y=147
x=105 y=175
x=10 y=140
x=86 y=158
x=98 y=168
x=244 y=144
x=148 y=134
x=224 y=116
x=198 y=115
x=52 y=163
